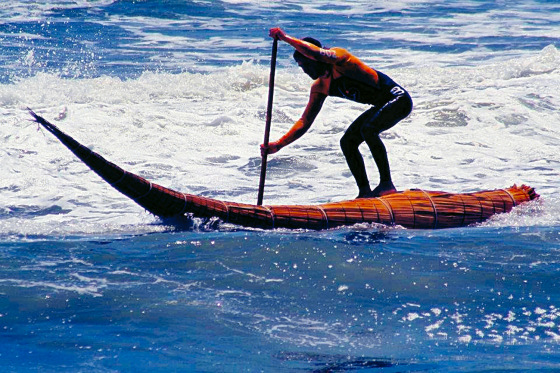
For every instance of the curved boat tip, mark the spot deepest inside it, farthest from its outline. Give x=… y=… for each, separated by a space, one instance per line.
x=37 y=118
x=531 y=192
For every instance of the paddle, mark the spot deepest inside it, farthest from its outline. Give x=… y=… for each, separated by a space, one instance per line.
x=268 y=119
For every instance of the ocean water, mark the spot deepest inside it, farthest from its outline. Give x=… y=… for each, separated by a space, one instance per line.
x=176 y=91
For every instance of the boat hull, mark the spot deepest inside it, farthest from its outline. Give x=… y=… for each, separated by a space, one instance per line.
x=414 y=208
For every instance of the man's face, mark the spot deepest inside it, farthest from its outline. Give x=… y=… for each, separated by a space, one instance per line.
x=310 y=67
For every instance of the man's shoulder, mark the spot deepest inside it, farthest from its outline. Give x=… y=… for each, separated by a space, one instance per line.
x=340 y=54
x=339 y=50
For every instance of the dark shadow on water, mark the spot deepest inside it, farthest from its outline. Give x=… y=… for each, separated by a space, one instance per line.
x=368 y=237
x=323 y=363
x=353 y=365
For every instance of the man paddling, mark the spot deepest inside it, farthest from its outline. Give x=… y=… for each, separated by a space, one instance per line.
x=336 y=72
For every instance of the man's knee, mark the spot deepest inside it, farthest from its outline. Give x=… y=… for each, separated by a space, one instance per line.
x=375 y=144
x=347 y=144
x=371 y=136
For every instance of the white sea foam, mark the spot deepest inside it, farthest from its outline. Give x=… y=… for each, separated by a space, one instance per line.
x=39 y=10
x=92 y=289
x=472 y=128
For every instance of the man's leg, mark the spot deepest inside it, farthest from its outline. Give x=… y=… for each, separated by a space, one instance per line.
x=386 y=117
x=381 y=160
x=350 y=143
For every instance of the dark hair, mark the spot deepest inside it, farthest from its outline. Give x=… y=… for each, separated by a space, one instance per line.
x=309 y=39
x=314 y=68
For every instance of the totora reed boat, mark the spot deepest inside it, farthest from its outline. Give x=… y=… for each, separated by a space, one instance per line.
x=415 y=208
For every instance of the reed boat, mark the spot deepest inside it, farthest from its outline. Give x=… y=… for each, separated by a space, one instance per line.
x=414 y=208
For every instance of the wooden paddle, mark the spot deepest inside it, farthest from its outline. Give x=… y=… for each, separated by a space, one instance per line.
x=268 y=119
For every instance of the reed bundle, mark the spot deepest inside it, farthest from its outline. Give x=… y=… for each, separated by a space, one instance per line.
x=415 y=208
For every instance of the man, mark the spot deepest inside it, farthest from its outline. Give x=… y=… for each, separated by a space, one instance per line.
x=338 y=73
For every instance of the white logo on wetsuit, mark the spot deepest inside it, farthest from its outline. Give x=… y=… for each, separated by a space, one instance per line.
x=397 y=91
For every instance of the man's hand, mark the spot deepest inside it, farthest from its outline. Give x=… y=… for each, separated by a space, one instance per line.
x=273 y=147
x=277 y=33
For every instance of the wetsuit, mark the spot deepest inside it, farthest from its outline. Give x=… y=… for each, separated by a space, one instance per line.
x=391 y=103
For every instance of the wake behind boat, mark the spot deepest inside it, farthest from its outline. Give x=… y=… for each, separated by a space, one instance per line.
x=415 y=208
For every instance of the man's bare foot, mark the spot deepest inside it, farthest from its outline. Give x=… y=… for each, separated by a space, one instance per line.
x=364 y=192
x=383 y=189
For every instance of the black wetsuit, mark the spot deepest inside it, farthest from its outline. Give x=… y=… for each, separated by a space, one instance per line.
x=391 y=103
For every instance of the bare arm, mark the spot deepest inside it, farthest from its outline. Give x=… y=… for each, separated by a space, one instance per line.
x=301 y=126
x=330 y=56
x=345 y=62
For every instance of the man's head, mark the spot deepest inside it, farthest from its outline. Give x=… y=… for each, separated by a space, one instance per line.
x=313 y=68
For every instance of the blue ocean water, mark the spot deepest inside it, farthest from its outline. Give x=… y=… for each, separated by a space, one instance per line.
x=176 y=91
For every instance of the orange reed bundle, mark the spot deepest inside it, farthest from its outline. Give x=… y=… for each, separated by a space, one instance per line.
x=415 y=209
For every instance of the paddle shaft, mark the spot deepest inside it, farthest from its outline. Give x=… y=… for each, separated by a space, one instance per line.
x=268 y=120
